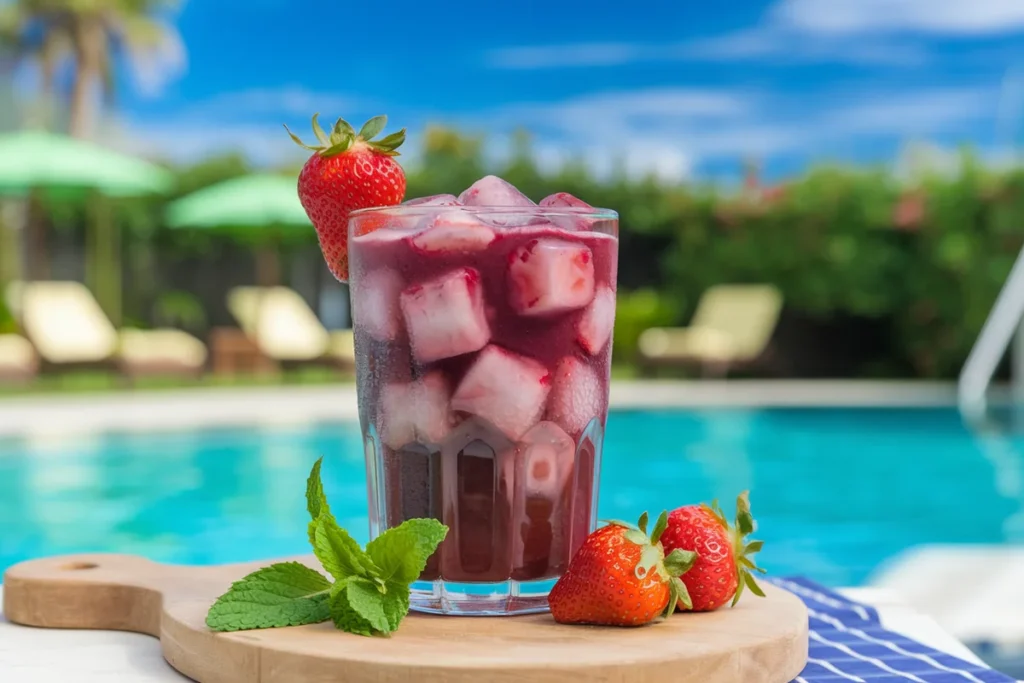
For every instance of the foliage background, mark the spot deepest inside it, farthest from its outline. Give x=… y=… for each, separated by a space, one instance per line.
x=882 y=276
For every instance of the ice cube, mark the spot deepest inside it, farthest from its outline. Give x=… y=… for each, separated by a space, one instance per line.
x=548 y=276
x=564 y=200
x=415 y=412
x=380 y=236
x=434 y=200
x=504 y=388
x=493 y=191
x=445 y=316
x=451 y=232
x=595 y=325
x=375 y=306
x=545 y=455
x=577 y=395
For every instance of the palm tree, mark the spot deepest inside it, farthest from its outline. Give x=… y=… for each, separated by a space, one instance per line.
x=101 y=30
x=93 y=34
x=29 y=30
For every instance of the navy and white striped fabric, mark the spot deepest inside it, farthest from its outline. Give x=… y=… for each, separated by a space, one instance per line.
x=849 y=645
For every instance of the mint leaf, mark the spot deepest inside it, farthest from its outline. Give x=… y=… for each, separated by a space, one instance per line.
x=316 y=501
x=401 y=553
x=365 y=598
x=396 y=603
x=344 y=615
x=339 y=553
x=284 y=594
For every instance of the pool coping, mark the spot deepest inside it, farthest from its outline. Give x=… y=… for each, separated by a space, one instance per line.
x=212 y=407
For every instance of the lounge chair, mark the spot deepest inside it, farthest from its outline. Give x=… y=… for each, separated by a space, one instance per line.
x=731 y=329
x=18 y=361
x=285 y=330
x=68 y=329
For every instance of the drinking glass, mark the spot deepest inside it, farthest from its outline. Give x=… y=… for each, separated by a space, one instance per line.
x=483 y=346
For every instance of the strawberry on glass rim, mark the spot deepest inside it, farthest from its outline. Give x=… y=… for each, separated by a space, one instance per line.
x=348 y=171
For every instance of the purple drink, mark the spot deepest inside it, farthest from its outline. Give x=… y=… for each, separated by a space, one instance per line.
x=483 y=341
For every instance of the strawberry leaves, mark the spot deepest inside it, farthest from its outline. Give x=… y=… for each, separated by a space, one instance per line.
x=743 y=549
x=343 y=137
x=370 y=593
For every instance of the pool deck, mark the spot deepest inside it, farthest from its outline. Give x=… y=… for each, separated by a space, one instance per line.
x=212 y=407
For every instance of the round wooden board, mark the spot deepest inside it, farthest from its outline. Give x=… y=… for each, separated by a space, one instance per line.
x=759 y=641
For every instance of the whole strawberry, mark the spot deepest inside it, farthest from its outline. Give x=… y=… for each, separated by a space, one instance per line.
x=348 y=171
x=723 y=565
x=620 y=576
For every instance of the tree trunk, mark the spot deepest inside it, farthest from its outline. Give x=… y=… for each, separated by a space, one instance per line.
x=90 y=55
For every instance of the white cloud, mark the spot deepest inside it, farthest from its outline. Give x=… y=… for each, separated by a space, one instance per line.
x=861 y=32
x=916 y=113
x=671 y=132
x=748 y=44
x=157 y=65
x=950 y=17
x=291 y=100
x=784 y=45
x=667 y=131
x=186 y=142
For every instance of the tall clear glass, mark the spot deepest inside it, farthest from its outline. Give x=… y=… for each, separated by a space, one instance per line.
x=483 y=346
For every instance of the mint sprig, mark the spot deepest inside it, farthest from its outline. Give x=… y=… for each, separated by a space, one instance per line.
x=370 y=592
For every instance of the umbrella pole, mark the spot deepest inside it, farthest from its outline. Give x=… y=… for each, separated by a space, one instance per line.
x=10 y=244
x=268 y=266
x=38 y=262
x=105 y=274
x=268 y=274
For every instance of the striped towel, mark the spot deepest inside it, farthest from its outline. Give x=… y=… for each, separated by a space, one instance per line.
x=848 y=644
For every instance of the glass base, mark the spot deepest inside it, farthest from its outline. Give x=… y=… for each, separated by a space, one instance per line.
x=481 y=599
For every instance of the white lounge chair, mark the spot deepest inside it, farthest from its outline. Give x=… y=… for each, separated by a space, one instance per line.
x=285 y=330
x=67 y=328
x=732 y=327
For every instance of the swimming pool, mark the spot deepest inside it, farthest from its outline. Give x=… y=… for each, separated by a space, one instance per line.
x=837 y=492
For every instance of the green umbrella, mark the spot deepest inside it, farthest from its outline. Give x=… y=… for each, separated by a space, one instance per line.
x=252 y=201
x=259 y=205
x=58 y=164
x=33 y=159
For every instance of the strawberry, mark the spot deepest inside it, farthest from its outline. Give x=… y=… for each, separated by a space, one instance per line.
x=620 y=576
x=348 y=171
x=723 y=565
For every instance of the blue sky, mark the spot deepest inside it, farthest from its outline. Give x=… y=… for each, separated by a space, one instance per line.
x=683 y=88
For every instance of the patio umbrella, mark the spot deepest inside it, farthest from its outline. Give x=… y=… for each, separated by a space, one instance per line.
x=33 y=160
x=261 y=206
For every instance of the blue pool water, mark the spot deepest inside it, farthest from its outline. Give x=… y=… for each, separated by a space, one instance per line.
x=837 y=492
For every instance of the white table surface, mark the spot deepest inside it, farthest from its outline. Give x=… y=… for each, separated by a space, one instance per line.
x=29 y=655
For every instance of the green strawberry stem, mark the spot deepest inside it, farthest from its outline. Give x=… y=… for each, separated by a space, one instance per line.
x=652 y=558
x=344 y=137
x=743 y=550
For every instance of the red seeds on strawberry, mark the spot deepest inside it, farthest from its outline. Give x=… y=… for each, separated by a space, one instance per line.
x=348 y=171
x=620 y=576
x=724 y=563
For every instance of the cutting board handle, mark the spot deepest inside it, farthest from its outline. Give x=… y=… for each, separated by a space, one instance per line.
x=95 y=591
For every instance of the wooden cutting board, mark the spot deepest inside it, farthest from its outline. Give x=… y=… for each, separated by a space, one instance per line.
x=760 y=641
